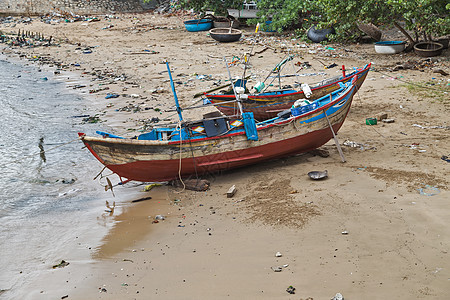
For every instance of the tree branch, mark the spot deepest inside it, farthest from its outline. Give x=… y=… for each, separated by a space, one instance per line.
x=399 y=27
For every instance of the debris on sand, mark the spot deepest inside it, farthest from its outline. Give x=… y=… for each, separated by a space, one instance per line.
x=62 y=264
x=290 y=289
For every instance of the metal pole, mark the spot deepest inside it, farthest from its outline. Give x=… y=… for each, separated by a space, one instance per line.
x=180 y=116
x=234 y=89
x=279 y=78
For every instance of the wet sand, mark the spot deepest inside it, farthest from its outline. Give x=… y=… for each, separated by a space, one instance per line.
x=366 y=231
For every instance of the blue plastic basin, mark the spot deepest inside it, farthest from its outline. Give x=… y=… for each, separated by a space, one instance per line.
x=198 y=25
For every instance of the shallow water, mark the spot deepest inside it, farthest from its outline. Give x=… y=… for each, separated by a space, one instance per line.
x=49 y=204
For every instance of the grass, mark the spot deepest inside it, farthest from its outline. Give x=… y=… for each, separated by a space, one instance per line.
x=432 y=90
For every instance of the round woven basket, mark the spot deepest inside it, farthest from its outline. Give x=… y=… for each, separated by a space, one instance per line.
x=428 y=49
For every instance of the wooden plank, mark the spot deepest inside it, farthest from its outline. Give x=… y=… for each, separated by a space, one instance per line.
x=231 y=191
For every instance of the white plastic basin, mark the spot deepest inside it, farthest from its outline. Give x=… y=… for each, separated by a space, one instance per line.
x=389 y=47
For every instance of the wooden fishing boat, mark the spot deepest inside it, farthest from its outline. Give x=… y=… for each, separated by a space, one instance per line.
x=221 y=143
x=268 y=104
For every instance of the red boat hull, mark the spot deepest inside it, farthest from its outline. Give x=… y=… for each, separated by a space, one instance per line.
x=165 y=170
x=163 y=160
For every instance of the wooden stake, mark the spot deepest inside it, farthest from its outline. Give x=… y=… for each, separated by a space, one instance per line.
x=336 y=141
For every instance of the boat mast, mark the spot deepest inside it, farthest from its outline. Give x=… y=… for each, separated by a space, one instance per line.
x=180 y=116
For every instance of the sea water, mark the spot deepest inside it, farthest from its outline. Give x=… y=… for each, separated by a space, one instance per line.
x=49 y=204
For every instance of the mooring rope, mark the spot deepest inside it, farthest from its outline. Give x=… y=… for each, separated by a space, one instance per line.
x=179 y=164
x=40 y=152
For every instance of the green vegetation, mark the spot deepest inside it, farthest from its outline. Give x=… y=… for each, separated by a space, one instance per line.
x=433 y=90
x=218 y=7
x=426 y=19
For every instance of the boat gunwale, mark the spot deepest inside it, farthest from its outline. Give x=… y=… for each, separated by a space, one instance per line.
x=128 y=141
x=259 y=97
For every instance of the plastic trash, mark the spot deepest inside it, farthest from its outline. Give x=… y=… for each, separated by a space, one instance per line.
x=240 y=90
x=306 y=90
x=276 y=269
x=151 y=186
x=331 y=66
x=338 y=296
x=301 y=102
x=316 y=175
x=109 y=96
x=259 y=86
x=62 y=264
x=429 y=190
x=290 y=289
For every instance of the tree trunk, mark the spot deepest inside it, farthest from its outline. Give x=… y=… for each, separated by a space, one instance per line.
x=410 y=39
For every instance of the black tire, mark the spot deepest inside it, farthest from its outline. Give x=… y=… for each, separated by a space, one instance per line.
x=319 y=35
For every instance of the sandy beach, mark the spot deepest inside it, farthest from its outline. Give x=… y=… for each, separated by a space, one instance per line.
x=376 y=228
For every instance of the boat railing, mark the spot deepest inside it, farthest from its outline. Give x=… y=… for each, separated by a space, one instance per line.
x=327 y=81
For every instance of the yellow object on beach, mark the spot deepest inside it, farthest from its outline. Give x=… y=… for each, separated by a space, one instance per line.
x=257 y=28
x=150 y=186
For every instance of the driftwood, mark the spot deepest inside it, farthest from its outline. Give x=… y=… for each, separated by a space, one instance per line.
x=139 y=53
x=141 y=199
x=260 y=51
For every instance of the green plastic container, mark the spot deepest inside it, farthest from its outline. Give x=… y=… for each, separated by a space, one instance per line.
x=259 y=86
x=371 y=121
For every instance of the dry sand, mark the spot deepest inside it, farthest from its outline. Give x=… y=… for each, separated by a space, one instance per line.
x=365 y=232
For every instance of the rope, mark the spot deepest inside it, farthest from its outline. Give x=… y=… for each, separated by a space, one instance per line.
x=39 y=153
x=179 y=164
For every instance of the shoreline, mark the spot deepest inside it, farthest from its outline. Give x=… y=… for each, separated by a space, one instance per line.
x=29 y=252
x=214 y=247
